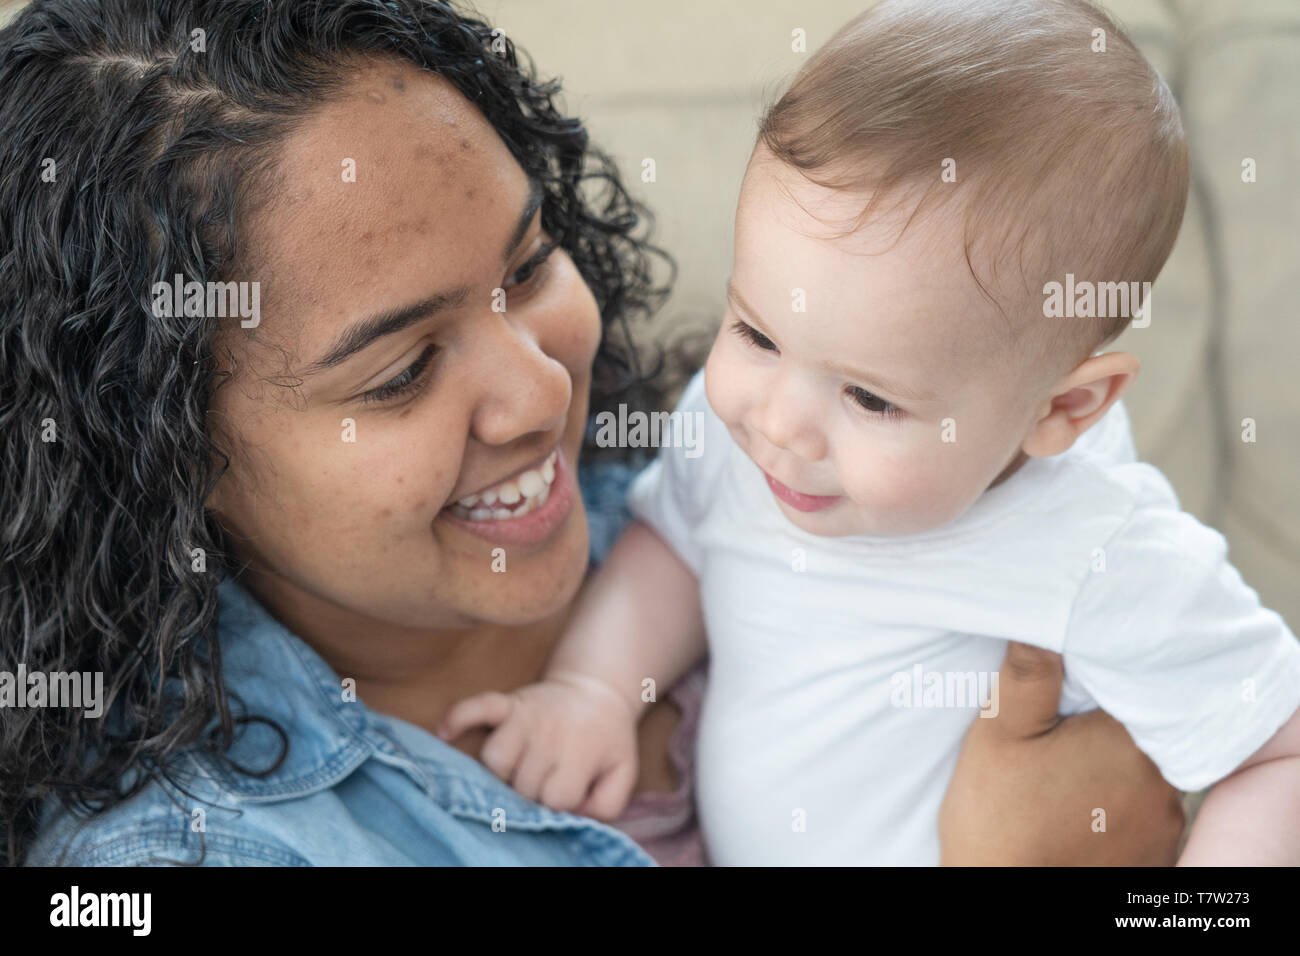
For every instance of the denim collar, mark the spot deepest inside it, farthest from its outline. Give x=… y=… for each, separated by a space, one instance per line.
x=279 y=676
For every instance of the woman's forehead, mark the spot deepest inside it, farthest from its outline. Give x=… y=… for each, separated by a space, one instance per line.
x=393 y=188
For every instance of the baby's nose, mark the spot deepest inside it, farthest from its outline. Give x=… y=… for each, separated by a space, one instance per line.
x=792 y=425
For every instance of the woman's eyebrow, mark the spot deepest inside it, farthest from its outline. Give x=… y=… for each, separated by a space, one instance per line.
x=366 y=331
x=373 y=327
x=531 y=205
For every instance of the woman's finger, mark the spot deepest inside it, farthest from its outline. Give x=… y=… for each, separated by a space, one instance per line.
x=481 y=710
x=1029 y=693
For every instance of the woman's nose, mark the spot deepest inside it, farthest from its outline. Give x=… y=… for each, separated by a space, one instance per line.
x=523 y=389
x=787 y=415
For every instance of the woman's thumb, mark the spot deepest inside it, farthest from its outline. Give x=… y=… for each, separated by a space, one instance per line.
x=1027 y=695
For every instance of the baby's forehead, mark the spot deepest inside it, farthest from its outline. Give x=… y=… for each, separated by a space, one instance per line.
x=906 y=281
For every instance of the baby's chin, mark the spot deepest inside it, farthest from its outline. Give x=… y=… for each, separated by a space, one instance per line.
x=848 y=518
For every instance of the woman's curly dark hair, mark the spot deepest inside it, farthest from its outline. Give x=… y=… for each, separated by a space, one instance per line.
x=127 y=157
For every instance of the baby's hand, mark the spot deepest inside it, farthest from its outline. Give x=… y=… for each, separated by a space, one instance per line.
x=568 y=741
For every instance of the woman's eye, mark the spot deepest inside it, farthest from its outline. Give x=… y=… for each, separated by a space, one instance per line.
x=532 y=267
x=753 y=336
x=407 y=381
x=873 y=403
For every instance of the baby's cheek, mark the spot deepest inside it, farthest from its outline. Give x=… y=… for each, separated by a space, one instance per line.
x=917 y=490
x=887 y=486
x=726 y=384
x=953 y=475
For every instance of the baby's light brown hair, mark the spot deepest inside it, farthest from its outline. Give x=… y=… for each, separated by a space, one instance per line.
x=1067 y=159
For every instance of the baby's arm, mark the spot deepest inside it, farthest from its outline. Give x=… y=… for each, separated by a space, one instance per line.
x=1252 y=817
x=640 y=618
x=569 y=740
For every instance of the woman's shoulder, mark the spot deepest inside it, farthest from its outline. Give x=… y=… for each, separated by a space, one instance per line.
x=348 y=787
x=159 y=826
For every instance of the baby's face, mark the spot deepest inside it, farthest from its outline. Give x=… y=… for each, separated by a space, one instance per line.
x=874 y=385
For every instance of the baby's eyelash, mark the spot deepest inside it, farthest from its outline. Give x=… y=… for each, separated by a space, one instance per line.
x=753 y=336
x=873 y=403
x=865 y=400
x=408 y=380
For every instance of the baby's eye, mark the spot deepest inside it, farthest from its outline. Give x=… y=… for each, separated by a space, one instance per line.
x=753 y=336
x=873 y=403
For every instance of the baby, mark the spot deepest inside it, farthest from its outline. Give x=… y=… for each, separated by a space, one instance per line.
x=912 y=454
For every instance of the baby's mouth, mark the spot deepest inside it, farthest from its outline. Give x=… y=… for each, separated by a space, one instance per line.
x=512 y=498
x=797 y=499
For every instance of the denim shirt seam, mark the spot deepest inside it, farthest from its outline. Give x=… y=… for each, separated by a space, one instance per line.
x=469 y=799
x=124 y=849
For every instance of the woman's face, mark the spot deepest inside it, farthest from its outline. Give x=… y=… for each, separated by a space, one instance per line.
x=439 y=353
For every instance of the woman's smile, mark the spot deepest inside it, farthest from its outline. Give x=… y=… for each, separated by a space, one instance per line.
x=510 y=497
x=525 y=510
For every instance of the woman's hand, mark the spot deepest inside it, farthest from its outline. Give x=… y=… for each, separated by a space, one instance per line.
x=1029 y=783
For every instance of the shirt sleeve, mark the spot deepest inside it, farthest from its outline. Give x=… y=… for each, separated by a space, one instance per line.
x=1170 y=641
x=673 y=493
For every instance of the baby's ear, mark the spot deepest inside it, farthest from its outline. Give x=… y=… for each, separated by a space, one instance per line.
x=1079 y=400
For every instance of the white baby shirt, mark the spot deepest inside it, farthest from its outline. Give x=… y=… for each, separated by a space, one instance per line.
x=844 y=672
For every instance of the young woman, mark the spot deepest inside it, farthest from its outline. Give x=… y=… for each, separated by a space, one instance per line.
x=248 y=519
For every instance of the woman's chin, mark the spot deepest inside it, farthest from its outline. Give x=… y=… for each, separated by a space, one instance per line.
x=540 y=586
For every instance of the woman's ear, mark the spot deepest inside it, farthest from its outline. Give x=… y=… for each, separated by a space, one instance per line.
x=1079 y=400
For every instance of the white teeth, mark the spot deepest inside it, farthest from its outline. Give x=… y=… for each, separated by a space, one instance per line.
x=531 y=483
x=533 y=487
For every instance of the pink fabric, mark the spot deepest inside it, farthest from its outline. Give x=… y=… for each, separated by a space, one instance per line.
x=664 y=824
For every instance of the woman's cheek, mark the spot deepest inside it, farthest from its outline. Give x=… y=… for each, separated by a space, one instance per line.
x=575 y=323
x=370 y=482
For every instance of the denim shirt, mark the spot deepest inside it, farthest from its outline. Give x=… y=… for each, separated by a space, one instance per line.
x=356 y=787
